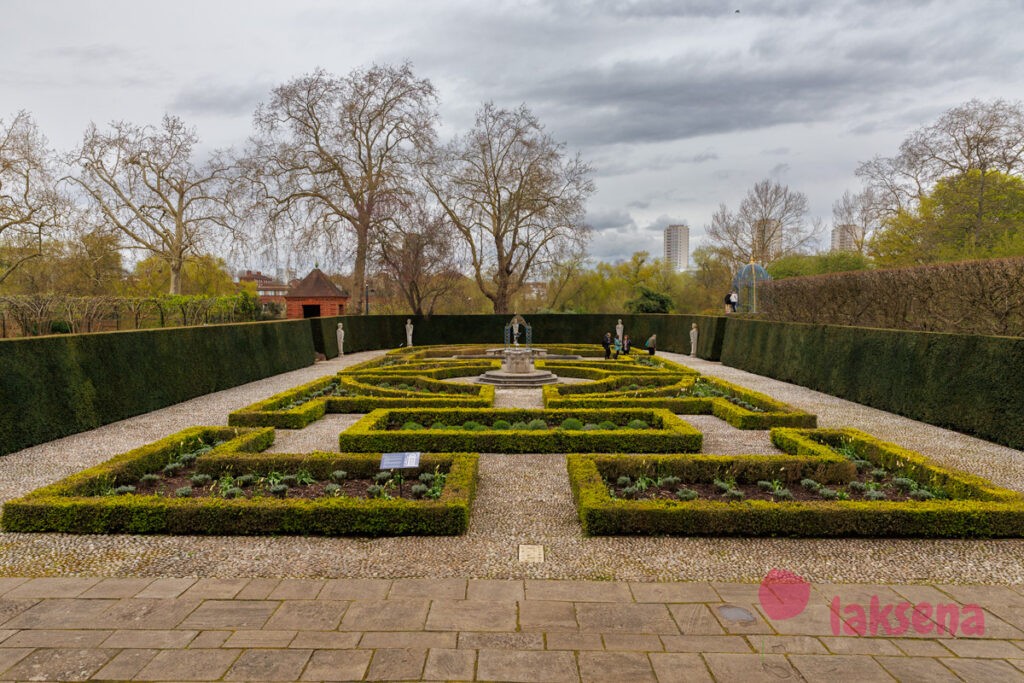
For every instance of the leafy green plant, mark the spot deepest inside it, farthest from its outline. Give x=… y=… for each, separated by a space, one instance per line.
x=339 y=475
x=501 y=424
x=149 y=478
x=411 y=426
x=290 y=480
x=764 y=485
x=419 y=490
x=858 y=486
x=624 y=480
x=904 y=484
x=571 y=423
x=332 y=489
x=200 y=479
x=607 y=424
x=279 y=490
x=536 y=423
x=875 y=495
x=827 y=493
x=879 y=473
x=637 y=424
x=519 y=425
x=810 y=484
x=438 y=425
x=304 y=478
x=245 y=480
x=590 y=426
x=921 y=494
x=234 y=492
x=124 y=490
x=734 y=494
x=686 y=494
x=668 y=481
x=471 y=425
x=172 y=468
x=183 y=492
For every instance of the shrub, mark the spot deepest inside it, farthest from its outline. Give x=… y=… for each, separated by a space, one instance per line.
x=419 y=489
x=858 y=486
x=810 y=484
x=686 y=494
x=339 y=475
x=200 y=479
x=606 y=424
x=623 y=481
x=519 y=425
x=765 y=485
x=245 y=480
x=571 y=423
x=501 y=424
x=289 y=480
x=439 y=425
x=183 y=492
x=173 y=468
x=124 y=490
x=279 y=490
x=234 y=492
x=537 y=424
x=904 y=484
x=471 y=425
x=149 y=478
x=637 y=424
x=590 y=426
x=411 y=426
x=921 y=494
x=426 y=477
x=332 y=489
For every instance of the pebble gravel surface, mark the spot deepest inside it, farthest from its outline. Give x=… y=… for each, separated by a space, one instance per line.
x=521 y=499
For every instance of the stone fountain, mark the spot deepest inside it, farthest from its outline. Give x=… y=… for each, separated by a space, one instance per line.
x=517 y=369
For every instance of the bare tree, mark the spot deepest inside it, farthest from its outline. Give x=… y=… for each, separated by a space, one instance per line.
x=418 y=253
x=514 y=198
x=339 y=152
x=30 y=206
x=855 y=216
x=145 y=183
x=976 y=136
x=769 y=224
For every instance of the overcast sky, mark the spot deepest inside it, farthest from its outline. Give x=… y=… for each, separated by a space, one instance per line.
x=679 y=105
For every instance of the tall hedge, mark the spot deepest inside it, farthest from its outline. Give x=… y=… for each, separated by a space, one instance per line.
x=973 y=384
x=55 y=386
x=364 y=333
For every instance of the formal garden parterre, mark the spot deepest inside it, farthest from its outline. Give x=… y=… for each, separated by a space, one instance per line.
x=635 y=467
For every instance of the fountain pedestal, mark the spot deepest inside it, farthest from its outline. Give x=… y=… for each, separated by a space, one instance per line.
x=517 y=370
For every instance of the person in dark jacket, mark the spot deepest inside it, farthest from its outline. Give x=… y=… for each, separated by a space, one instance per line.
x=607 y=344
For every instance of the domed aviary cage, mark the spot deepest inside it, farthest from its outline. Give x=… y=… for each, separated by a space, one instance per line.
x=747 y=283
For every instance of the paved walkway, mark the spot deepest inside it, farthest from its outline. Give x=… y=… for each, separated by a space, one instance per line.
x=466 y=608
x=181 y=629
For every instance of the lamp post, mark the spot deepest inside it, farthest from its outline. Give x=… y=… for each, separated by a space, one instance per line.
x=366 y=299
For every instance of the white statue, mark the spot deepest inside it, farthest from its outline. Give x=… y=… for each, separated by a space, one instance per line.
x=693 y=339
x=515 y=329
x=408 y=331
x=618 y=330
x=341 y=340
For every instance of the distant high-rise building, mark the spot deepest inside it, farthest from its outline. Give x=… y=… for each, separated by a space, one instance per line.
x=847 y=237
x=677 y=247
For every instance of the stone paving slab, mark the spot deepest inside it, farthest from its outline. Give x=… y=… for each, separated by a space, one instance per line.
x=565 y=632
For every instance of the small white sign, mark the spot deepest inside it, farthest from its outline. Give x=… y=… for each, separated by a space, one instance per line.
x=531 y=553
x=399 y=461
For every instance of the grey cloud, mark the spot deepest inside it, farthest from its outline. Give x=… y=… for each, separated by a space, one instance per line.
x=94 y=55
x=615 y=220
x=663 y=221
x=779 y=170
x=206 y=97
x=638 y=205
x=775 y=151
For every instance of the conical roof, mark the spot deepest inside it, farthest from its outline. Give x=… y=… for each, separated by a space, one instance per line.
x=315 y=285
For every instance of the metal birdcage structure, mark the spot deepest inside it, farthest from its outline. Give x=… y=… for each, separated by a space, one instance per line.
x=746 y=283
x=517 y=328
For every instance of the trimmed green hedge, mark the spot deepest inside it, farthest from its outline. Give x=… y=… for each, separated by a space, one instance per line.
x=74 y=505
x=668 y=434
x=367 y=332
x=776 y=414
x=51 y=387
x=990 y=512
x=271 y=412
x=969 y=383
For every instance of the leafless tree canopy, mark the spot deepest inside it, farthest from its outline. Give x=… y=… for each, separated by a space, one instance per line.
x=30 y=206
x=145 y=183
x=770 y=223
x=982 y=136
x=514 y=197
x=338 y=152
x=419 y=252
x=856 y=214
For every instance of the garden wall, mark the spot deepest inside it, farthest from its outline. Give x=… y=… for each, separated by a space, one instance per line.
x=364 y=333
x=55 y=386
x=971 y=383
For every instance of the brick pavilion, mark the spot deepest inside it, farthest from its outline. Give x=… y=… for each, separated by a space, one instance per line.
x=314 y=296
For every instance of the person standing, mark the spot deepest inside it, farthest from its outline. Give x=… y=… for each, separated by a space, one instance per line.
x=651 y=344
x=607 y=344
x=728 y=302
x=626 y=344
x=617 y=346
x=734 y=300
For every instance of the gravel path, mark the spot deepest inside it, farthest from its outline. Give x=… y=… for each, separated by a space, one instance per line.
x=521 y=499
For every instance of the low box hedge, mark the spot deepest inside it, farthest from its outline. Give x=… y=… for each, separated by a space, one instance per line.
x=274 y=411
x=989 y=512
x=775 y=413
x=668 y=433
x=76 y=504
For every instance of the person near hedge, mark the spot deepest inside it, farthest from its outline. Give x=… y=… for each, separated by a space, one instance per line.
x=607 y=344
x=617 y=347
x=734 y=300
x=626 y=344
x=651 y=344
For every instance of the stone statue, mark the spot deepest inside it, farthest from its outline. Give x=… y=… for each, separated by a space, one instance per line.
x=693 y=339
x=618 y=329
x=515 y=329
x=408 y=331
x=341 y=340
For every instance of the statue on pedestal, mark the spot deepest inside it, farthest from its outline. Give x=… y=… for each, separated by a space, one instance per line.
x=341 y=340
x=408 y=331
x=619 y=329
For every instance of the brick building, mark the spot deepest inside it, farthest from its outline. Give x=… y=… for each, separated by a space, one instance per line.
x=314 y=296
x=268 y=290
